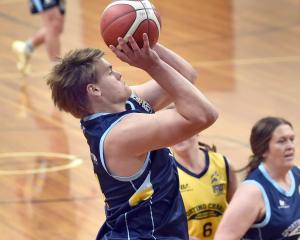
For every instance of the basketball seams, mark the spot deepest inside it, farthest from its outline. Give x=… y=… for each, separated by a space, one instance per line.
x=146 y=15
x=137 y=5
x=136 y=23
x=116 y=19
x=150 y=12
x=150 y=16
x=121 y=32
x=134 y=26
x=135 y=8
x=139 y=17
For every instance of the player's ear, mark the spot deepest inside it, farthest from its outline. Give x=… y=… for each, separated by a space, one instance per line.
x=93 y=89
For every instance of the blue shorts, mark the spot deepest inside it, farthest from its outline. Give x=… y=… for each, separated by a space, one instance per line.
x=37 y=6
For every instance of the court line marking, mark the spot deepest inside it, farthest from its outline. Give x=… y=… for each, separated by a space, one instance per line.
x=74 y=161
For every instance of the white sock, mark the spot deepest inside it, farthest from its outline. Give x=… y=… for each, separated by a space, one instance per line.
x=29 y=46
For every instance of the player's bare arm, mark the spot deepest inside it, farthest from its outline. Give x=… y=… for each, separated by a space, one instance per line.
x=151 y=91
x=147 y=132
x=247 y=205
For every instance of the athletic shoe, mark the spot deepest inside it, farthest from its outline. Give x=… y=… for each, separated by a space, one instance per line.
x=23 y=56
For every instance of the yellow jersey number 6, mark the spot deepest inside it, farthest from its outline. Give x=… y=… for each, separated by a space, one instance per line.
x=207 y=229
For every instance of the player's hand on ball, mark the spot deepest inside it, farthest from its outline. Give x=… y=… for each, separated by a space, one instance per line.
x=132 y=54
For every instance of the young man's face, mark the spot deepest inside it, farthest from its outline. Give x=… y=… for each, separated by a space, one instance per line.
x=112 y=87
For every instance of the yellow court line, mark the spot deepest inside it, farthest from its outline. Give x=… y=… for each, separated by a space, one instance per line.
x=74 y=161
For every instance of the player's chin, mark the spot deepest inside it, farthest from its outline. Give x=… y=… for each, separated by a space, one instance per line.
x=290 y=158
x=289 y=162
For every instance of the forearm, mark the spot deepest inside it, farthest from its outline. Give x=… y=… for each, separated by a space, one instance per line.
x=152 y=92
x=177 y=62
x=189 y=101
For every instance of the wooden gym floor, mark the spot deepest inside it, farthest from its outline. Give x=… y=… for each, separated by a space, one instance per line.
x=248 y=57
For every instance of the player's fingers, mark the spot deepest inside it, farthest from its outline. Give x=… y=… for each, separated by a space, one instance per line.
x=133 y=44
x=146 y=45
x=119 y=53
x=123 y=45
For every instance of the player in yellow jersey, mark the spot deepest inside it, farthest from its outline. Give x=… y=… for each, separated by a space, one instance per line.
x=207 y=183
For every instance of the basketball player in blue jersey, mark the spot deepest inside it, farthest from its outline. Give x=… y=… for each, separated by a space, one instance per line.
x=207 y=184
x=52 y=14
x=267 y=204
x=128 y=136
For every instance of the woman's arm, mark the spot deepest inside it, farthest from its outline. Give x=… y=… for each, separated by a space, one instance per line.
x=246 y=207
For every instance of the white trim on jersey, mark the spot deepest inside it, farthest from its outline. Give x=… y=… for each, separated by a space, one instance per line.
x=127 y=229
x=38 y=5
x=102 y=159
x=93 y=116
x=289 y=193
x=131 y=105
x=267 y=204
x=153 y=227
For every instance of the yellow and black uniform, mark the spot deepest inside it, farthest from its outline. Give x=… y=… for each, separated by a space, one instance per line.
x=204 y=195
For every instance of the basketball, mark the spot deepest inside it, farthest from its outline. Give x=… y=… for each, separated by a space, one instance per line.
x=130 y=18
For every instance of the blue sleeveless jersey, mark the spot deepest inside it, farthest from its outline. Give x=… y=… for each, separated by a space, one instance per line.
x=147 y=205
x=282 y=218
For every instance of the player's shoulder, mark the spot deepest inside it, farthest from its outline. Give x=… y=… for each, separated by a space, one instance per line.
x=251 y=187
x=296 y=171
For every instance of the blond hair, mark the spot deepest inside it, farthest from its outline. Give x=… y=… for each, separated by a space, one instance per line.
x=69 y=78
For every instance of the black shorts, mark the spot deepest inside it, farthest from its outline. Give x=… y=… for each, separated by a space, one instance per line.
x=37 y=6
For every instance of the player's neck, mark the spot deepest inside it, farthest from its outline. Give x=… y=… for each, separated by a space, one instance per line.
x=109 y=108
x=193 y=159
x=281 y=176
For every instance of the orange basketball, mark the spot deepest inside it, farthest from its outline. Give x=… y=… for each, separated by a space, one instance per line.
x=130 y=18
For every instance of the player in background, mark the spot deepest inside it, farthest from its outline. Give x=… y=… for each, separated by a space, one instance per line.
x=128 y=136
x=267 y=204
x=52 y=14
x=207 y=184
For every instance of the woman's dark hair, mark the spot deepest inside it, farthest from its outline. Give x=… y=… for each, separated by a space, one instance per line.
x=260 y=137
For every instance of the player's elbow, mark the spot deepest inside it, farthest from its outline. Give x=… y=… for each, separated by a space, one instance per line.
x=211 y=116
x=207 y=118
